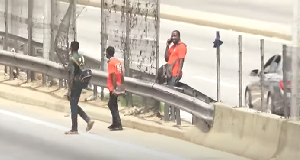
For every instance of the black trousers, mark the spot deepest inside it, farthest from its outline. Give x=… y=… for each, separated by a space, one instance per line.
x=76 y=109
x=114 y=109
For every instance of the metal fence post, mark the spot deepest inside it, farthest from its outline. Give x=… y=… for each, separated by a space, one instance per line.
x=5 y=46
x=295 y=83
x=284 y=70
x=218 y=73
x=103 y=42
x=30 y=48
x=157 y=103
x=240 y=71
x=47 y=33
x=217 y=44
x=127 y=50
x=262 y=73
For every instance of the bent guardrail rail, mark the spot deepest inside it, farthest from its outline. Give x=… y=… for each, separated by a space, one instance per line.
x=161 y=93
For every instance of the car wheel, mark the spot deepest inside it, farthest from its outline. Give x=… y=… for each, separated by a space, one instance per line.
x=248 y=99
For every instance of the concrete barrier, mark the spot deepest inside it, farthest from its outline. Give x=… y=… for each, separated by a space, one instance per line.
x=289 y=145
x=258 y=136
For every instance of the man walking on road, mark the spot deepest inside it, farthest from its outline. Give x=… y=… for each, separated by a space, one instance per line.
x=114 y=82
x=75 y=90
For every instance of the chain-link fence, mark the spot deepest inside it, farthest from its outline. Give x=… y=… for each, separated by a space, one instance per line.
x=132 y=28
x=46 y=28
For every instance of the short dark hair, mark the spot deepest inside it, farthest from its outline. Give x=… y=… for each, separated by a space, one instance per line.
x=74 y=46
x=177 y=32
x=110 y=50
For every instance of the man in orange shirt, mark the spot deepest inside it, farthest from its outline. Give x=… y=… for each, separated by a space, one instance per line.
x=174 y=57
x=114 y=79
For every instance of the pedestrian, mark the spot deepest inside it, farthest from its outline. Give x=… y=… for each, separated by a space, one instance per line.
x=115 y=82
x=174 y=56
x=75 y=90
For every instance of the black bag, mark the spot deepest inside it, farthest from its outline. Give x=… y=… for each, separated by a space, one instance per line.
x=85 y=74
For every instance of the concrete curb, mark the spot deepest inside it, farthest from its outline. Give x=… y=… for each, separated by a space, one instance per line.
x=63 y=106
x=218 y=21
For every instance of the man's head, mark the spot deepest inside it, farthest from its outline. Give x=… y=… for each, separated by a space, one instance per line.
x=110 y=52
x=175 y=36
x=74 y=46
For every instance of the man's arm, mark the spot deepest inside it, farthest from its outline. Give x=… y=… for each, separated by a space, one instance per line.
x=181 y=55
x=71 y=78
x=113 y=80
x=167 y=53
x=181 y=61
x=167 y=50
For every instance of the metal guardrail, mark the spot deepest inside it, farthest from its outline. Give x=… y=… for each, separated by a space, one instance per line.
x=162 y=93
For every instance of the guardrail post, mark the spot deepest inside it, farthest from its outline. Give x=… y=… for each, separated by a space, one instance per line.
x=167 y=112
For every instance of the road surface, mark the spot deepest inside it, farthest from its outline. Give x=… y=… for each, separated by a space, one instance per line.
x=37 y=133
x=278 y=11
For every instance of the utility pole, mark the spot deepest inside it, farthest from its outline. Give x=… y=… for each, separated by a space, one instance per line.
x=294 y=112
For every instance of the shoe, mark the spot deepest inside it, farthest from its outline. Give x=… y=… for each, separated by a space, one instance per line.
x=116 y=127
x=90 y=125
x=111 y=126
x=71 y=132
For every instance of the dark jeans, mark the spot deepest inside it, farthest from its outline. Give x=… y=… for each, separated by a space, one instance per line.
x=171 y=82
x=113 y=106
x=76 y=109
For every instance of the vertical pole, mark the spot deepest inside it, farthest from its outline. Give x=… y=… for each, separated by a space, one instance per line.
x=295 y=42
x=30 y=49
x=240 y=70
x=295 y=83
x=103 y=42
x=218 y=73
x=52 y=25
x=47 y=33
x=13 y=31
x=127 y=49
x=262 y=73
x=74 y=28
x=5 y=46
x=157 y=103
x=285 y=70
x=157 y=35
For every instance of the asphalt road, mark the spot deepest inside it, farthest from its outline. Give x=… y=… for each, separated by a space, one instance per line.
x=279 y=11
x=30 y=132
